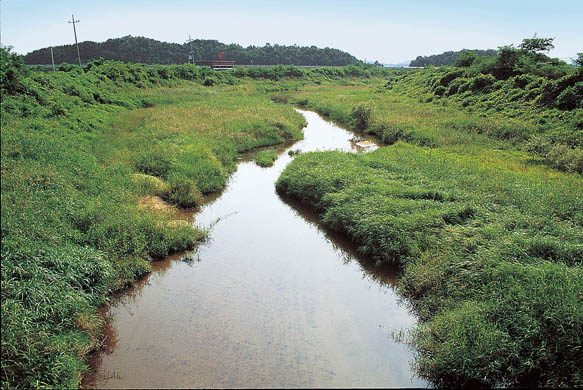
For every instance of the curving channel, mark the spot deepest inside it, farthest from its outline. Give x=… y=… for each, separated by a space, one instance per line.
x=272 y=299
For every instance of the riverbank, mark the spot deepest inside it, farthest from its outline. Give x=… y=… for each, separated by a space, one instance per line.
x=489 y=239
x=82 y=151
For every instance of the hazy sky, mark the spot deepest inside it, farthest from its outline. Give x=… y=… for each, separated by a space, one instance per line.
x=389 y=31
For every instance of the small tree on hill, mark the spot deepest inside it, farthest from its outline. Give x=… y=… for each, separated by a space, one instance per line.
x=466 y=58
x=11 y=71
x=537 y=45
x=579 y=60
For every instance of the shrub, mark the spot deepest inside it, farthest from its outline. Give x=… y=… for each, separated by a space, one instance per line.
x=465 y=59
x=569 y=99
x=538 y=145
x=565 y=158
x=302 y=102
x=482 y=81
x=12 y=71
x=361 y=116
x=449 y=77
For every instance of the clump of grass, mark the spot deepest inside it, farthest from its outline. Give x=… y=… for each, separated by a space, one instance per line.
x=182 y=191
x=265 y=158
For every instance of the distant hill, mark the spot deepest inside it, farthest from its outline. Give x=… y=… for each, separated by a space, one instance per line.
x=448 y=57
x=151 y=51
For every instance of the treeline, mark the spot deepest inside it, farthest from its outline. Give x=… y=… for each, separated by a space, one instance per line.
x=150 y=51
x=449 y=57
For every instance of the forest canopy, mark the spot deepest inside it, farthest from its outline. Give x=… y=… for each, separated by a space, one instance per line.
x=150 y=51
x=449 y=57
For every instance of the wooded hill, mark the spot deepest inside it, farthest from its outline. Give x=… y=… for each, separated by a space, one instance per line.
x=151 y=51
x=448 y=57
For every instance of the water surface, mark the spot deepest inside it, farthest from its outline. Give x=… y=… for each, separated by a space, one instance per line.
x=272 y=299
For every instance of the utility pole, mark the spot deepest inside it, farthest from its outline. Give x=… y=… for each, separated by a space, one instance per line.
x=75 y=32
x=191 y=56
x=52 y=58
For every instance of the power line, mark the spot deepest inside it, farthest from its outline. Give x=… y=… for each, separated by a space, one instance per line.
x=75 y=32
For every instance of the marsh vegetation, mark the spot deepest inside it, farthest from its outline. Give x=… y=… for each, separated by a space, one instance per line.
x=477 y=198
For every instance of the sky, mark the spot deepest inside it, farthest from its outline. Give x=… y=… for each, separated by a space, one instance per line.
x=389 y=31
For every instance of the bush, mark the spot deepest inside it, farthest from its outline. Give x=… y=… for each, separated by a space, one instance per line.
x=481 y=82
x=565 y=158
x=449 y=77
x=439 y=90
x=569 y=99
x=361 y=116
x=538 y=145
x=12 y=71
x=265 y=159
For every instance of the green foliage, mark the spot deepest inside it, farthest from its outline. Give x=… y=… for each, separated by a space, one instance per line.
x=151 y=51
x=155 y=162
x=465 y=59
x=535 y=45
x=362 y=116
x=265 y=158
x=81 y=150
x=450 y=57
x=491 y=256
x=11 y=72
x=182 y=191
x=546 y=94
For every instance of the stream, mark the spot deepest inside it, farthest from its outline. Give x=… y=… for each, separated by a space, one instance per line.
x=271 y=299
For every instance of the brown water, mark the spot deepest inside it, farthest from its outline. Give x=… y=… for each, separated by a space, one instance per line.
x=272 y=299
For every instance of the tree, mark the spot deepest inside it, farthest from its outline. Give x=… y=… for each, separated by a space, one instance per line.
x=503 y=68
x=465 y=58
x=11 y=71
x=536 y=45
x=579 y=60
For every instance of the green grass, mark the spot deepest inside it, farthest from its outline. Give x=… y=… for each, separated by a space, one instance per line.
x=492 y=257
x=489 y=236
x=470 y=201
x=265 y=158
x=397 y=110
x=75 y=169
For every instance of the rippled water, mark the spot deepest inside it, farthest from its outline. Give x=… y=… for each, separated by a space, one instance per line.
x=272 y=299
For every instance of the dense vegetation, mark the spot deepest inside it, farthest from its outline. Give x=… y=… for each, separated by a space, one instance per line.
x=449 y=57
x=520 y=96
x=151 y=51
x=491 y=255
x=478 y=198
x=87 y=153
x=489 y=237
x=520 y=84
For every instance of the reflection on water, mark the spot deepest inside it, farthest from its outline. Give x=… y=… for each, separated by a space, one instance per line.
x=272 y=299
